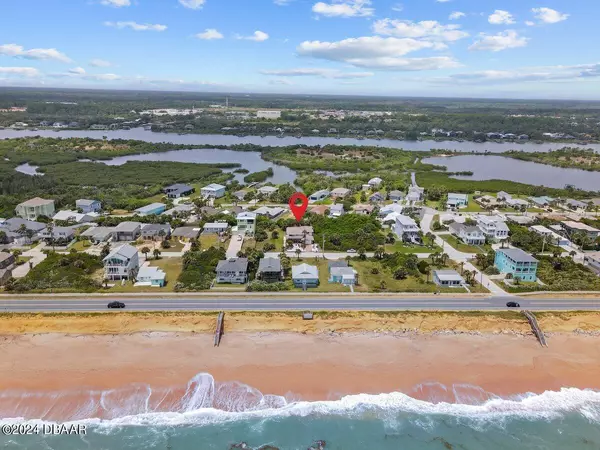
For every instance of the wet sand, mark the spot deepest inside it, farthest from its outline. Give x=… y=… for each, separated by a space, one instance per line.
x=311 y=366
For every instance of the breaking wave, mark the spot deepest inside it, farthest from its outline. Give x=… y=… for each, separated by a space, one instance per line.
x=204 y=401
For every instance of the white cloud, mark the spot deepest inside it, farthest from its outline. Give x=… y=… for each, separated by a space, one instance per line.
x=136 y=26
x=193 y=4
x=442 y=1
x=19 y=51
x=344 y=8
x=282 y=2
x=77 y=71
x=281 y=81
x=100 y=63
x=548 y=15
x=501 y=41
x=429 y=29
x=116 y=3
x=529 y=23
x=20 y=71
x=500 y=17
x=80 y=73
x=210 y=34
x=257 y=36
x=456 y=15
x=526 y=74
x=316 y=72
x=398 y=7
x=376 y=52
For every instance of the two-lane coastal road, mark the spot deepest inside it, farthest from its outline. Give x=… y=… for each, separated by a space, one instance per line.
x=294 y=303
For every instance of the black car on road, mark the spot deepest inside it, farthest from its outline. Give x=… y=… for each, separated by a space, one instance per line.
x=513 y=305
x=116 y=305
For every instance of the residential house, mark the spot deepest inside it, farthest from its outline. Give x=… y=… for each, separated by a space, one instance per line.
x=549 y=235
x=88 y=206
x=241 y=194
x=122 y=263
x=415 y=194
x=97 y=235
x=186 y=234
x=377 y=197
x=270 y=212
x=516 y=262
x=493 y=227
x=151 y=276
x=575 y=204
x=305 y=276
x=520 y=219
x=396 y=195
x=407 y=229
x=300 y=235
x=503 y=196
x=340 y=193
x=151 y=209
x=336 y=210
x=389 y=209
x=213 y=190
x=180 y=209
x=210 y=211
x=232 y=270
x=152 y=231
x=14 y=227
x=178 y=190
x=448 y=278
x=35 y=207
x=246 y=223
x=542 y=202
x=215 y=228
x=7 y=263
x=269 y=270
x=127 y=231
x=365 y=210
x=341 y=272
x=318 y=196
x=457 y=200
x=319 y=209
x=57 y=235
x=577 y=227
x=267 y=190
x=517 y=202
x=73 y=217
x=469 y=234
x=375 y=182
x=271 y=115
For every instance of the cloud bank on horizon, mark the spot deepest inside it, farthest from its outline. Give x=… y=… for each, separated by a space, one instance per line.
x=518 y=48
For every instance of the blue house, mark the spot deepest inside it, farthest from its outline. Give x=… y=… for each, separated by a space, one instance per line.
x=516 y=262
x=305 y=276
x=457 y=200
x=151 y=276
x=152 y=208
x=340 y=272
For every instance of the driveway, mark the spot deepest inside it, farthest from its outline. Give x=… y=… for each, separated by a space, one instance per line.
x=235 y=246
x=36 y=257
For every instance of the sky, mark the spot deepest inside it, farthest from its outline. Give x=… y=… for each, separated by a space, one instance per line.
x=448 y=48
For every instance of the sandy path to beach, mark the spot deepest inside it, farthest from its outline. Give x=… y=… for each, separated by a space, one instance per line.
x=313 y=366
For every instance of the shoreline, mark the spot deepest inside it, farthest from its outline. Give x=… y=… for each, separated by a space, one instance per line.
x=66 y=371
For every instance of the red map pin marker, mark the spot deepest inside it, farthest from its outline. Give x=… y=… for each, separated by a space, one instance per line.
x=298 y=209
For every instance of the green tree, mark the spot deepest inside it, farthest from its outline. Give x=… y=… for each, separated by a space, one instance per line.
x=145 y=251
x=156 y=253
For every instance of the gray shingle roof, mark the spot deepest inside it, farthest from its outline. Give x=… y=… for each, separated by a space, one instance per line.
x=269 y=265
x=233 y=265
x=517 y=254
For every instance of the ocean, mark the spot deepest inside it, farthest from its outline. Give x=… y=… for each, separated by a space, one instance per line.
x=206 y=415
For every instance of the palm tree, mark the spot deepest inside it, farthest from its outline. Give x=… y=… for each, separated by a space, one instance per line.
x=382 y=285
x=573 y=253
x=379 y=252
x=50 y=229
x=161 y=234
x=156 y=253
x=431 y=238
x=298 y=253
x=445 y=258
x=462 y=267
x=145 y=251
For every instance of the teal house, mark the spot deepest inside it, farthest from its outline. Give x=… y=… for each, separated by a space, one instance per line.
x=151 y=276
x=340 y=272
x=516 y=262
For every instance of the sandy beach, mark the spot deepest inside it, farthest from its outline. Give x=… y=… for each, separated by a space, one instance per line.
x=154 y=357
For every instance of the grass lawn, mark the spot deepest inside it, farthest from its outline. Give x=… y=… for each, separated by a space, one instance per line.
x=372 y=282
x=251 y=243
x=462 y=247
x=81 y=246
x=324 y=284
x=401 y=247
x=176 y=246
x=473 y=206
x=23 y=259
x=171 y=266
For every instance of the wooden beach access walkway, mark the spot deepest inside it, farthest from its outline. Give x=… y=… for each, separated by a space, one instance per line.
x=219 y=330
x=539 y=334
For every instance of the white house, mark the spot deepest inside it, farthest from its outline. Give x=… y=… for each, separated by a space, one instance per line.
x=336 y=210
x=448 y=278
x=415 y=194
x=406 y=229
x=151 y=276
x=266 y=190
x=272 y=115
x=340 y=192
x=122 y=263
x=375 y=182
x=215 y=227
x=318 y=196
x=388 y=209
x=549 y=235
x=213 y=190
x=494 y=228
x=469 y=234
x=73 y=216
x=246 y=222
x=88 y=206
